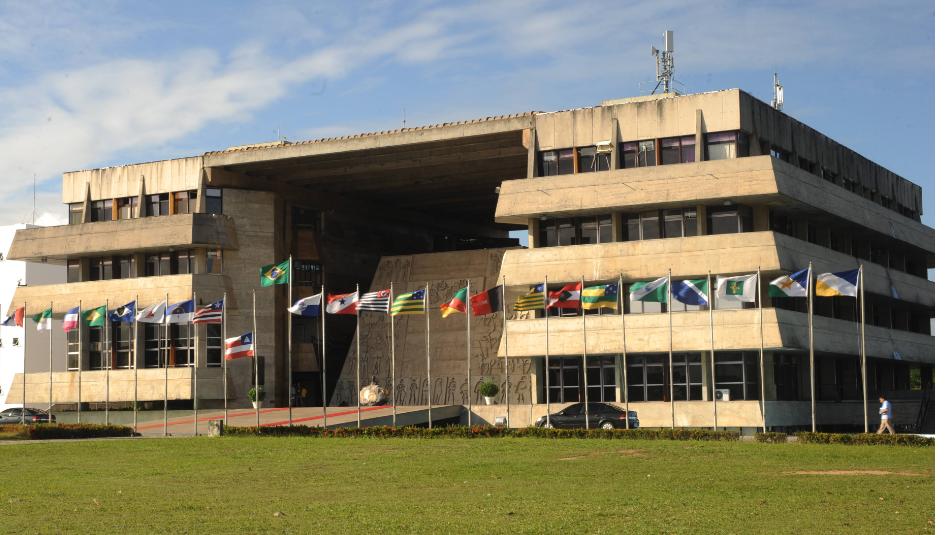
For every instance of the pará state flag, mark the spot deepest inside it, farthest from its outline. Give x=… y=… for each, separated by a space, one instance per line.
x=794 y=285
x=309 y=307
x=691 y=291
x=71 y=319
x=654 y=291
x=239 y=347
x=741 y=288
x=272 y=274
x=838 y=284
x=567 y=297
x=44 y=320
x=123 y=314
x=599 y=296
x=152 y=313
x=180 y=312
x=343 y=303
x=456 y=305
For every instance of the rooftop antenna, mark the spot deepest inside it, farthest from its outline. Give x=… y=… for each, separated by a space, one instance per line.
x=777 y=93
x=34 y=198
x=404 y=118
x=665 y=62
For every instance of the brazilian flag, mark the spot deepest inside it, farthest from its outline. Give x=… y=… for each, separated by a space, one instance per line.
x=272 y=274
x=95 y=317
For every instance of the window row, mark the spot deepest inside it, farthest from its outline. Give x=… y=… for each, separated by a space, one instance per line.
x=881 y=311
x=159 y=204
x=839 y=378
x=118 y=351
x=154 y=264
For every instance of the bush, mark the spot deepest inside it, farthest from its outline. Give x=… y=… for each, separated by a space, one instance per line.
x=482 y=431
x=253 y=393
x=864 y=439
x=772 y=437
x=488 y=388
x=58 y=431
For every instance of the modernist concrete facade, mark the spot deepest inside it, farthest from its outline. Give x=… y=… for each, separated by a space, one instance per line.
x=715 y=183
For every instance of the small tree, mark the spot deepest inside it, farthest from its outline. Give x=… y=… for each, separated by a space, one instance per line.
x=488 y=388
x=253 y=394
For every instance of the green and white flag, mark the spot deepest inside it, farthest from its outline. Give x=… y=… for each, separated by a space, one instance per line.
x=653 y=291
x=44 y=320
x=741 y=288
x=794 y=285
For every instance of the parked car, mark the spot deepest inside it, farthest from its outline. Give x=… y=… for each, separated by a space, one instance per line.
x=33 y=416
x=600 y=415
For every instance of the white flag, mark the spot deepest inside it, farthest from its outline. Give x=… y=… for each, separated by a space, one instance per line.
x=741 y=288
x=152 y=314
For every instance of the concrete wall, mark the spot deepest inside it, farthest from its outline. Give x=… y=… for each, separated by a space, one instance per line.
x=122 y=385
x=127 y=180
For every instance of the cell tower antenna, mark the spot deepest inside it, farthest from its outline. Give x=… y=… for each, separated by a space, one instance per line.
x=665 y=62
x=777 y=93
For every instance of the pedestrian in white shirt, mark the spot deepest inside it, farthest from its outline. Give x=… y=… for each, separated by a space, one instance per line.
x=886 y=411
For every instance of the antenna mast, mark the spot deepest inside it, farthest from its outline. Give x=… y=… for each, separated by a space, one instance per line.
x=665 y=62
x=34 y=198
x=777 y=93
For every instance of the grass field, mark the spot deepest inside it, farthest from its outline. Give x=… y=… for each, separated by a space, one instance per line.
x=306 y=485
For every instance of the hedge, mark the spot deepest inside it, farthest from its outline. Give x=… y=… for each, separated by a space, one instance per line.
x=772 y=437
x=57 y=431
x=864 y=439
x=482 y=432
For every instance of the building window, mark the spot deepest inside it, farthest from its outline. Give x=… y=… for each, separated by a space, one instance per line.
x=647 y=378
x=102 y=210
x=672 y=223
x=72 y=350
x=183 y=346
x=99 y=357
x=186 y=202
x=128 y=207
x=638 y=154
x=75 y=213
x=213 y=201
x=158 y=265
x=558 y=162
x=564 y=379
x=121 y=340
x=100 y=269
x=575 y=231
x=213 y=345
x=688 y=377
x=125 y=267
x=602 y=379
x=184 y=262
x=213 y=261
x=677 y=150
x=154 y=345
x=156 y=204
x=738 y=372
x=725 y=145
x=73 y=271
x=589 y=159
x=729 y=219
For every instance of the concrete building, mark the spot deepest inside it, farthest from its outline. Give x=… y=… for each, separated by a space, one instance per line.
x=715 y=183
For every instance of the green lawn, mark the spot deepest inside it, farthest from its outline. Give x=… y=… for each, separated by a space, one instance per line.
x=305 y=485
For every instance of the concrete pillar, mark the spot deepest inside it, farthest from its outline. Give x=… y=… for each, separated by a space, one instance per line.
x=707 y=374
x=201 y=201
x=87 y=205
x=616 y=229
x=760 y=218
x=201 y=261
x=140 y=208
x=533 y=234
x=615 y=144
x=532 y=146
x=698 y=147
x=702 y=220
x=768 y=374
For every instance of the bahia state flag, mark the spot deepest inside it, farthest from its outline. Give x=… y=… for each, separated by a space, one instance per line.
x=456 y=305
x=71 y=319
x=343 y=303
x=838 y=284
x=409 y=303
x=599 y=296
x=44 y=320
x=741 y=288
x=654 y=291
x=272 y=274
x=533 y=300
x=794 y=285
x=691 y=291
x=239 y=347
x=309 y=307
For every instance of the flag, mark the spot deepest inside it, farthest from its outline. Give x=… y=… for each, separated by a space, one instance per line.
x=378 y=301
x=95 y=317
x=123 y=314
x=43 y=320
x=741 y=288
x=794 y=285
x=533 y=300
x=567 y=297
x=71 y=320
x=272 y=274
x=409 y=303
x=654 y=291
x=152 y=314
x=455 y=305
x=599 y=296
x=239 y=347
x=343 y=303
x=16 y=319
x=180 y=312
x=486 y=302
x=308 y=307
x=691 y=291
x=210 y=313
x=836 y=284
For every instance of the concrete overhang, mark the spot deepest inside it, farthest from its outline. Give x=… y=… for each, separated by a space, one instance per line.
x=55 y=244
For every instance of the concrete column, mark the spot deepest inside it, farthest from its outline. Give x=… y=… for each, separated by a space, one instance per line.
x=87 y=206
x=533 y=237
x=201 y=201
x=201 y=261
x=139 y=260
x=769 y=375
x=140 y=208
x=760 y=218
x=698 y=147
x=702 y=220
x=707 y=374
x=616 y=230
x=532 y=146
x=615 y=144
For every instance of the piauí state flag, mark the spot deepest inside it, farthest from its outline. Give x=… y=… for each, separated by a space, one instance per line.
x=599 y=296
x=795 y=285
x=691 y=291
x=44 y=320
x=836 y=284
x=533 y=300
x=741 y=288
x=456 y=305
x=95 y=317
x=272 y=274
x=309 y=307
x=654 y=291
x=71 y=319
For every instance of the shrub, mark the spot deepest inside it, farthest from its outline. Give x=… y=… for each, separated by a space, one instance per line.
x=254 y=393
x=483 y=431
x=772 y=437
x=864 y=439
x=58 y=431
x=488 y=388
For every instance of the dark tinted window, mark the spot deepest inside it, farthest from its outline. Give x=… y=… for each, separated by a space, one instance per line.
x=213 y=201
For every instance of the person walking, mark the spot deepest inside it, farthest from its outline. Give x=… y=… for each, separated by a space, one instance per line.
x=886 y=411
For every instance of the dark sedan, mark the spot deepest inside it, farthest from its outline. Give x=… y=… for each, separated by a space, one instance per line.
x=32 y=416
x=600 y=415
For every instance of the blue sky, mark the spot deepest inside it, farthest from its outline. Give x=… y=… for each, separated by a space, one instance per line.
x=96 y=84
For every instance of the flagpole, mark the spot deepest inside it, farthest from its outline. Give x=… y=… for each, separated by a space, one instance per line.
x=429 y=385
x=79 y=364
x=670 y=348
x=359 y=411
x=584 y=354
x=505 y=333
x=135 y=365
x=168 y=349
x=711 y=295
x=194 y=329
x=224 y=361
x=106 y=326
x=254 y=355
x=323 y=350
x=547 y=352
x=762 y=344
x=627 y=398
x=469 y=348
x=50 y=332
x=392 y=353
x=864 y=363
x=290 y=340
x=812 y=354
x=23 y=375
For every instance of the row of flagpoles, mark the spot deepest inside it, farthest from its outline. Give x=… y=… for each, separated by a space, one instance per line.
x=741 y=288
